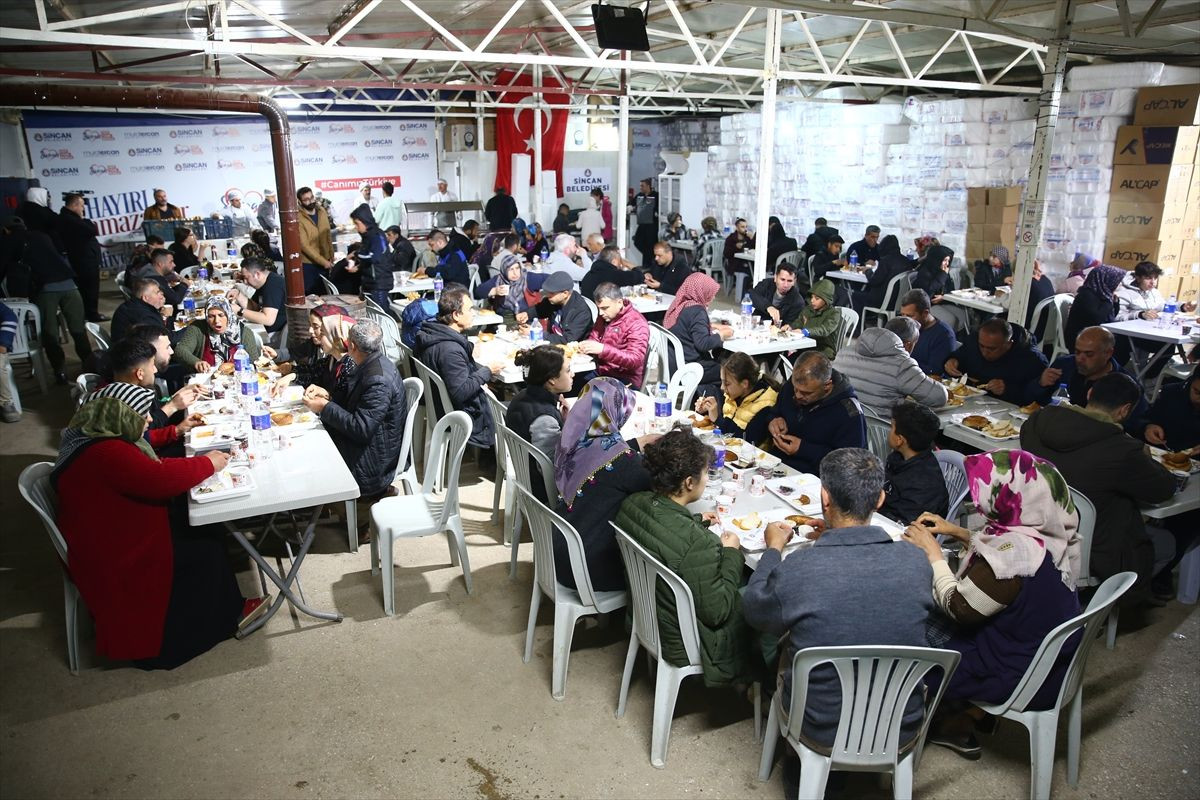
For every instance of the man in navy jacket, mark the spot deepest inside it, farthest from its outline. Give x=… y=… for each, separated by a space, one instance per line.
x=821 y=413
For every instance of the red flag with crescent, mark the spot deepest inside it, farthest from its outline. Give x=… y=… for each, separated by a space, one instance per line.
x=515 y=126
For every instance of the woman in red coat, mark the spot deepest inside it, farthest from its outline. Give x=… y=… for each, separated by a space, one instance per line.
x=156 y=599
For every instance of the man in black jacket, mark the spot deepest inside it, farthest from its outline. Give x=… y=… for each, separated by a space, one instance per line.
x=78 y=235
x=996 y=355
x=669 y=271
x=162 y=270
x=570 y=318
x=778 y=298
x=451 y=264
x=820 y=413
x=608 y=268
x=500 y=210
x=443 y=348
x=368 y=427
x=144 y=308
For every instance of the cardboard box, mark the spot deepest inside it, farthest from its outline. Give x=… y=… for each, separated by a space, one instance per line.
x=1189 y=253
x=1129 y=253
x=977 y=250
x=1004 y=196
x=1136 y=221
x=1140 y=144
x=1000 y=234
x=1179 y=183
x=1002 y=215
x=974 y=232
x=1169 y=261
x=977 y=197
x=1180 y=222
x=1157 y=184
x=1168 y=105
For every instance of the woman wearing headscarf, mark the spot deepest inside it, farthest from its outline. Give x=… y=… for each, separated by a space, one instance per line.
x=687 y=318
x=535 y=242
x=933 y=275
x=1081 y=267
x=595 y=469
x=891 y=263
x=158 y=597
x=778 y=242
x=993 y=272
x=330 y=365
x=1014 y=584
x=209 y=342
x=923 y=243
x=505 y=291
x=710 y=231
x=1096 y=303
x=590 y=221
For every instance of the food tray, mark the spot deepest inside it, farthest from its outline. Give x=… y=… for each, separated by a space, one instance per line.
x=957 y=419
x=1157 y=454
x=793 y=487
x=230 y=482
x=222 y=437
x=303 y=420
x=753 y=540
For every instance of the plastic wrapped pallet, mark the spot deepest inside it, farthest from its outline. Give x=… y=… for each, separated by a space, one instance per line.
x=1022 y=130
x=1107 y=102
x=1003 y=109
x=1088 y=180
x=1104 y=76
x=1093 y=154
x=1096 y=129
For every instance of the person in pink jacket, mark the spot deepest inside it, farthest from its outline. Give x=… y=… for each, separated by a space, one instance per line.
x=620 y=338
x=606 y=214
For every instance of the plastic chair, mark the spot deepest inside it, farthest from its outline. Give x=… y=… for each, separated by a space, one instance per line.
x=877 y=682
x=664 y=348
x=683 y=384
x=1048 y=310
x=954 y=471
x=877 y=435
x=569 y=604
x=1043 y=725
x=406 y=465
x=98 y=337
x=1062 y=304
x=434 y=392
x=329 y=287
x=643 y=572
x=709 y=261
x=371 y=305
x=85 y=384
x=1086 y=530
x=24 y=347
x=34 y=484
x=739 y=283
x=125 y=291
x=595 y=312
x=473 y=277
x=390 y=328
x=849 y=323
x=423 y=514
x=504 y=473
x=897 y=287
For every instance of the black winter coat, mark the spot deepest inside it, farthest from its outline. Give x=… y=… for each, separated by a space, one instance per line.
x=135 y=311
x=573 y=319
x=672 y=275
x=78 y=236
x=448 y=353
x=914 y=486
x=369 y=429
x=763 y=295
x=1088 y=309
x=933 y=281
x=29 y=260
x=606 y=272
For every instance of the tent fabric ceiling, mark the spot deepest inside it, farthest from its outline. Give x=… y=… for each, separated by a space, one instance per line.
x=279 y=46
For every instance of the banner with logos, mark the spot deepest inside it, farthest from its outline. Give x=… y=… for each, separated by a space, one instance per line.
x=583 y=179
x=118 y=161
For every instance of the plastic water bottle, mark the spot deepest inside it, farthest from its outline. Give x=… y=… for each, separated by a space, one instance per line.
x=202 y=277
x=747 y=310
x=248 y=385
x=718 y=446
x=189 y=305
x=231 y=250
x=438 y=285
x=853 y=260
x=1061 y=397
x=1168 y=312
x=662 y=409
x=260 y=430
x=911 y=254
x=535 y=333
x=241 y=362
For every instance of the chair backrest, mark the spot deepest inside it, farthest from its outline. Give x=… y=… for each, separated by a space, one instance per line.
x=643 y=571
x=595 y=312
x=897 y=287
x=34 y=485
x=682 y=386
x=664 y=347
x=85 y=384
x=329 y=286
x=877 y=436
x=1089 y=622
x=877 y=682
x=710 y=255
x=187 y=272
x=543 y=522
x=390 y=328
x=412 y=396
x=371 y=305
x=100 y=340
x=25 y=312
x=445 y=454
x=849 y=323
x=954 y=471
x=523 y=452
x=435 y=391
x=1045 y=308
x=405 y=361
x=473 y=276
x=1086 y=529
x=794 y=257
x=1063 y=303
x=499 y=413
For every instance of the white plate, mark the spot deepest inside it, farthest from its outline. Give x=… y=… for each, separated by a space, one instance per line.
x=1157 y=454
x=957 y=419
x=753 y=540
x=230 y=482
x=791 y=488
x=305 y=420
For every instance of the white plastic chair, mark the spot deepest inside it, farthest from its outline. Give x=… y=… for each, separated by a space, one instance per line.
x=34 y=484
x=849 y=323
x=1047 y=309
x=595 y=312
x=683 y=384
x=406 y=466
x=877 y=683
x=434 y=392
x=85 y=384
x=371 y=305
x=504 y=474
x=569 y=604
x=98 y=337
x=709 y=261
x=1086 y=530
x=954 y=471
x=23 y=348
x=1062 y=304
x=664 y=347
x=520 y=453
x=390 y=328
x=473 y=279
x=644 y=571
x=330 y=288
x=1043 y=725
x=877 y=435
x=423 y=514
x=897 y=287
x=121 y=287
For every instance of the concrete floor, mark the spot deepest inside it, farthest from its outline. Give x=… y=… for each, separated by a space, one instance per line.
x=435 y=702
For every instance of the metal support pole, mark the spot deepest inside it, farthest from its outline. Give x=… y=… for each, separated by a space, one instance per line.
x=537 y=146
x=1033 y=209
x=478 y=130
x=766 y=155
x=619 y=209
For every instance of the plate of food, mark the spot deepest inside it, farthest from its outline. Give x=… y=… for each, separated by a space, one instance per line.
x=803 y=492
x=751 y=527
x=998 y=429
x=1024 y=412
x=229 y=482
x=203 y=438
x=293 y=421
x=960 y=387
x=700 y=422
x=1181 y=463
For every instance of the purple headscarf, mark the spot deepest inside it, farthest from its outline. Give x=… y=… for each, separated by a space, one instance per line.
x=591 y=436
x=1104 y=280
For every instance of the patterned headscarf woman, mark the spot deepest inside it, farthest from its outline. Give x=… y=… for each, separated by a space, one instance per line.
x=223 y=344
x=514 y=300
x=697 y=289
x=336 y=322
x=118 y=411
x=1104 y=280
x=329 y=357
x=1029 y=513
x=1081 y=264
x=591 y=436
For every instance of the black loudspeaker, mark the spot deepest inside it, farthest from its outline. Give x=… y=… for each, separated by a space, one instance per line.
x=620 y=28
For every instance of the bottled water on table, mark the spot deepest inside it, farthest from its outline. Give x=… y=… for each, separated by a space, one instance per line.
x=202 y=279
x=438 y=285
x=662 y=409
x=718 y=446
x=535 y=333
x=231 y=249
x=1167 y=318
x=241 y=361
x=260 y=431
x=853 y=259
x=248 y=390
x=747 y=310
x=1061 y=397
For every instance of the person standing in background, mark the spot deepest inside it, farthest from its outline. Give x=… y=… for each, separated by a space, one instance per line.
x=645 y=207
x=604 y=203
x=78 y=235
x=316 y=244
x=500 y=211
x=244 y=220
x=444 y=219
x=161 y=208
x=268 y=212
x=389 y=212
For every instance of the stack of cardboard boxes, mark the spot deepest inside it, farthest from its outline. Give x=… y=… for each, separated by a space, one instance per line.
x=1154 y=201
x=992 y=217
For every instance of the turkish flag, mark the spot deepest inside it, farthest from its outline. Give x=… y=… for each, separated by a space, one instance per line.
x=515 y=131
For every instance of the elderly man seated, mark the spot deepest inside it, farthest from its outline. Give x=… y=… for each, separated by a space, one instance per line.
x=821 y=413
x=568 y=258
x=882 y=370
x=368 y=426
x=1093 y=360
x=1003 y=361
x=820 y=595
x=144 y=308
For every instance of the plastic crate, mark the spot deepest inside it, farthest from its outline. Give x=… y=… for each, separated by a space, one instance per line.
x=220 y=228
x=163 y=228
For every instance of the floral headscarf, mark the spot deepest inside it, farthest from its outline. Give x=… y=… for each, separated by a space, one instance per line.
x=697 y=289
x=1104 y=280
x=1029 y=513
x=591 y=436
x=224 y=344
x=337 y=323
x=1081 y=264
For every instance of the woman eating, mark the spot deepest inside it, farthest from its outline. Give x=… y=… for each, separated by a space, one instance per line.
x=158 y=597
x=934 y=277
x=1081 y=266
x=1015 y=583
x=535 y=242
x=330 y=365
x=536 y=413
x=687 y=318
x=562 y=220
x=595 y=469
x=748 y=395
x=1096 y=303
x=711 y=567
x=209 y=342
x=505 y=291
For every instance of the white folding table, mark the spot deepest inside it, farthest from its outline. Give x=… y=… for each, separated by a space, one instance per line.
x=1170 y=336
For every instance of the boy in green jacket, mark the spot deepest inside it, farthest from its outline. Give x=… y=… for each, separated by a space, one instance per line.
x=821 y=318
